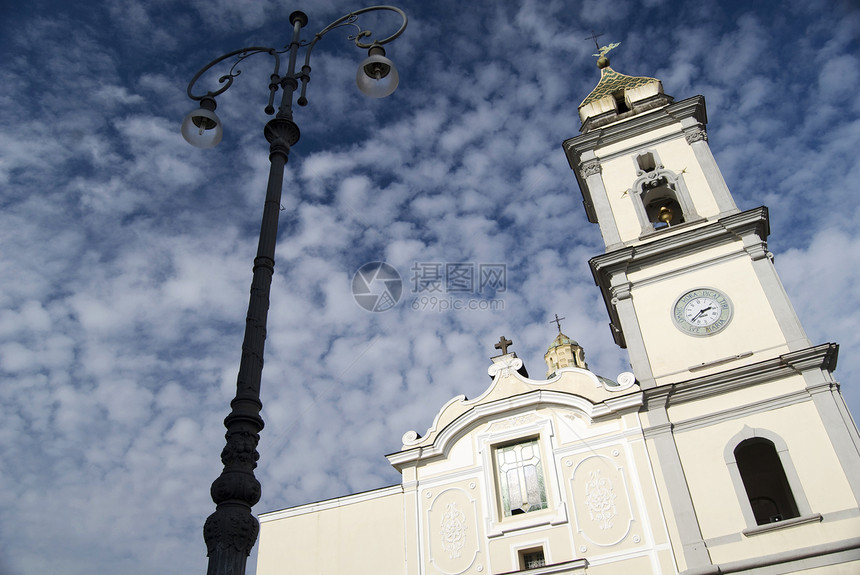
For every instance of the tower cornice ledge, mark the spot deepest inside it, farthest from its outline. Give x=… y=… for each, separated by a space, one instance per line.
x=644 y=123
x=822 y=356
x=682 y=243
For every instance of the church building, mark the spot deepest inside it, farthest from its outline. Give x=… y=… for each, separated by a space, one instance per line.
x=727 y=449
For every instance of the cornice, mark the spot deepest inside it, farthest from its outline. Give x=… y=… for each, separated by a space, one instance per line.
x=724 y=230
x=781 y=560
x=511 y=366
x=330 y=503
x=797 y=362
x=657 y=430
x=637 y=125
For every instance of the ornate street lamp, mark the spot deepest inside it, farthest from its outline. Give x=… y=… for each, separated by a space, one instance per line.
x=231 y=531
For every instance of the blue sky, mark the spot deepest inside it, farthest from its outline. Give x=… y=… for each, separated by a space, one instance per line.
x=125 y=254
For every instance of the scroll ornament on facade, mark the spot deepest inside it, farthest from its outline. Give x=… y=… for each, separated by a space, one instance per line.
x=600 y=500
x=453 y=530
x=505 y=366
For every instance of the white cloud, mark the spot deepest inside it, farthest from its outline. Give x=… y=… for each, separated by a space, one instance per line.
x=127 y=254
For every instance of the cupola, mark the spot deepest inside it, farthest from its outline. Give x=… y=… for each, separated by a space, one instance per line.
x=618 y=96
x=563 y=352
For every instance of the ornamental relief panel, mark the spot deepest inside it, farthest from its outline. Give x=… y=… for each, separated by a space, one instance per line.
x=602 y=508
x=451 y=535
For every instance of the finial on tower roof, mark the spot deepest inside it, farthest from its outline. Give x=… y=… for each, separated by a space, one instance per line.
x=557 y=321
x=602 y=60
x=602 y=51
x=594 y=36
x=618 y=96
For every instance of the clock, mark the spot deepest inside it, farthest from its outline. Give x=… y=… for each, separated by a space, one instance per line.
x=702 y=311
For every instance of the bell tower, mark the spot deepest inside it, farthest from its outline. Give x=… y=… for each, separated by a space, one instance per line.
x=674 y=237
x=756 y=457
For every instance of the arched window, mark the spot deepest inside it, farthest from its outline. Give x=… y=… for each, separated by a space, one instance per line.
x=765 y=481
x=521 y=478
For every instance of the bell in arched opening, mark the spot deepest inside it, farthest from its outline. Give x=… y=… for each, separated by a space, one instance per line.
x=662 y=208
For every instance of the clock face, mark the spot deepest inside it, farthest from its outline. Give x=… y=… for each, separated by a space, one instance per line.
x=702 y=311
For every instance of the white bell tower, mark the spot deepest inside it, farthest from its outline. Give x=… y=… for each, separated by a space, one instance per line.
x=756 y=456
x=675 y=240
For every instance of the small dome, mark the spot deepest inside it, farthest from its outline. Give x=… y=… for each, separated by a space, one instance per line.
x=561 y=340
x=563 y=352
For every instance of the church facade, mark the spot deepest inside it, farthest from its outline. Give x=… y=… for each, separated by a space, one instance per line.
x=728 y=449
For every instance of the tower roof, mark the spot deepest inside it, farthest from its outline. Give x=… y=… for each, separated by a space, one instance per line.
x=611 y=82
x=561 y=340
x=563 y=352
x=618 y=96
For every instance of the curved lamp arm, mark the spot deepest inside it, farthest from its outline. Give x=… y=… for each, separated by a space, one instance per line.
x=227 y=79
x=350 y=20
x=376 y=76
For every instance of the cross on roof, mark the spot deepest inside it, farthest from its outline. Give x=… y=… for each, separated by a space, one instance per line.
x=503 y=345
x=557 y=321
x=594 y=36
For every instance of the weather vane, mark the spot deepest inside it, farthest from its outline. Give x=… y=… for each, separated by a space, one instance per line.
x=604 y=50
x=594 y=36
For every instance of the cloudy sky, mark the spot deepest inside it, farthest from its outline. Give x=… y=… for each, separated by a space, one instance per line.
x=125 y=254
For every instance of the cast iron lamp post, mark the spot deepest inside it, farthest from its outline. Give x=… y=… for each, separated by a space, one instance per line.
x=231 y=531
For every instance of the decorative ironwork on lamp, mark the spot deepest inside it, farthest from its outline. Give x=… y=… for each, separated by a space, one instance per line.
x=376 y=76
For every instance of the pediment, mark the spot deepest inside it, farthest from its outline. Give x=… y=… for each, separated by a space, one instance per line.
x=593 y=396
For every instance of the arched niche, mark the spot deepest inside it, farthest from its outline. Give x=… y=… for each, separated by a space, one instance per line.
x=660 y=196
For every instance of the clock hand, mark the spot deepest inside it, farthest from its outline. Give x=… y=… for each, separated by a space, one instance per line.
x=701 y=311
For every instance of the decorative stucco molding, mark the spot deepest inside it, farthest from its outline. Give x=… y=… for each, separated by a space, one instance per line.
x=600 y=499
x=505 y=366
x=590 y=168
x=453 y=530
x=625 y=380
x=696 y=134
